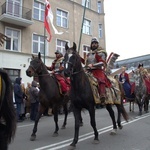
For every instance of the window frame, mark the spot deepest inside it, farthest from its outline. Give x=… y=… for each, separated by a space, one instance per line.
x=62 y=17
x=86 y=51
x=100 y=30
x=88 y=3
x=11 y=38
x=40 y=10
x=87 y=26
x=61 y=47
x=39 y=44
x=99 y=7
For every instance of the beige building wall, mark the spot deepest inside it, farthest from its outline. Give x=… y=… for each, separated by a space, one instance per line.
x=71 y=34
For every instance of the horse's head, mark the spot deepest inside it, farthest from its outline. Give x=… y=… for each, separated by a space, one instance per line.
x=71 y=59
x=35 y=66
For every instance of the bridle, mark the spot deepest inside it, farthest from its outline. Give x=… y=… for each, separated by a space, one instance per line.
x=72 y=72
x=39 y=67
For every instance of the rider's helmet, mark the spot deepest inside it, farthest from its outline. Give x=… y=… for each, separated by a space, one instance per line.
x=58 y=52
x=94 y=39
x=140 y=65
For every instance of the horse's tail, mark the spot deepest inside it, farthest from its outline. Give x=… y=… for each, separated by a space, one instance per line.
x=7 y=111
x=124 y=113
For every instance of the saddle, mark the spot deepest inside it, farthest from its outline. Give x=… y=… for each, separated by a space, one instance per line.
x=94 y=87
x=113 y=94
x=67 y=82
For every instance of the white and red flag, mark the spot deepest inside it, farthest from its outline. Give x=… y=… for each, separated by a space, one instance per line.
x=49 y=19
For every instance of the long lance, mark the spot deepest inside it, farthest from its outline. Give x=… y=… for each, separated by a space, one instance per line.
x=82 y=26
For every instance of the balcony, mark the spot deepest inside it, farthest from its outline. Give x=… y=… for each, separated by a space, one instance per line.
x=15 y=14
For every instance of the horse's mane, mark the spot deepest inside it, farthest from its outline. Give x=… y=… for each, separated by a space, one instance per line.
x=81 y=75
x=7 y=111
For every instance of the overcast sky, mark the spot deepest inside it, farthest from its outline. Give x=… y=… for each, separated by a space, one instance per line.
x=127 y=27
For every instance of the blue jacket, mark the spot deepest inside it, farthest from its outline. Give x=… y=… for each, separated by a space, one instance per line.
x=18 y=91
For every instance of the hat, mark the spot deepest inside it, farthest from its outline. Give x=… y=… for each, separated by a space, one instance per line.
x=140 y=65
x=94 y=39
x=58 y=52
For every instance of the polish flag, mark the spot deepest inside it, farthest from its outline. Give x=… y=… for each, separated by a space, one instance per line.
x=49 y=19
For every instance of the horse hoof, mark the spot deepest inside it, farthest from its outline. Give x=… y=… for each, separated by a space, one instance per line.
x=55 y=134
x=96 y=142
x=120 y=127
x=63 y=127
x=33 y=137
x=71 y=147
x=113 y=132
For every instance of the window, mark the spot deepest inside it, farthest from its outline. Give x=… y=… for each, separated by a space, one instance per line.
x=14 y=7
x=39 y=9
x=13 y=43
x=87 y=27
x=100 y=31
x=86 y=50
x=13 y=73
x=99 y=7
x=61 y=46
x=38 y=44
x=62 y=18
x=88 y=3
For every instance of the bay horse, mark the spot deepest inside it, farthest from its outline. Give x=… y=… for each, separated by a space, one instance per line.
x=140 y=91
x=81 y=94
x=49 y=94
x=8 y=119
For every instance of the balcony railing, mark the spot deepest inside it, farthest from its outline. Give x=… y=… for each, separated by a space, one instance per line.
x=16 y=14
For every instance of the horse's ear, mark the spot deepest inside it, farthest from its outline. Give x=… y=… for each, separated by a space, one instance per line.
x=32 y=56
x=66 y=46
x=39 y=55
x=74 y=46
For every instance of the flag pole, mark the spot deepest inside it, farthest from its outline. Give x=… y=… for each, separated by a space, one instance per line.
x=44 y=36
x=44 y=43
x=82 y=26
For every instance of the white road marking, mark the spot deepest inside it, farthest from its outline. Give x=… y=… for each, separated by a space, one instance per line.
x=83 y=137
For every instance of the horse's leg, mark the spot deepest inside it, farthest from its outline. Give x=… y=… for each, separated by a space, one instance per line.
x=77 y=114
x=3 y=137
x=146 y=104
x=55 y=111
x=81 y=120
x=38 y=116
x=130 y=103
x=93 y=124
x=65 y=118
x=119 y=116
x=112 y=115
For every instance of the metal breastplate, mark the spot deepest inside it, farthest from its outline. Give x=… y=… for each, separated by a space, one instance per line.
x=91 y=59
x=57 y=65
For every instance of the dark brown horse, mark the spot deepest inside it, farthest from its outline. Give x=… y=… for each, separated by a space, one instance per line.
x=49 y=95
x=82 y=95
x=7 y=111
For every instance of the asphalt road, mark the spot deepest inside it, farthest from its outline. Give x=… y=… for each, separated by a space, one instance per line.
x=135 y=134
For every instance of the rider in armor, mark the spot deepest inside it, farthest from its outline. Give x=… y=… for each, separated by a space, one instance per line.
x=57 y=68
x=96 y=61
x=146 y=76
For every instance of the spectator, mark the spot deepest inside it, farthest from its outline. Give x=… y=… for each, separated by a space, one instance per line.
x=18 y=94
x=28 y=102
x=34 y=98
x=24 y=100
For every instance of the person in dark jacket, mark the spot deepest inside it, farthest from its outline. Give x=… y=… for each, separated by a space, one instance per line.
x=34 y=99
x=18 y=94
